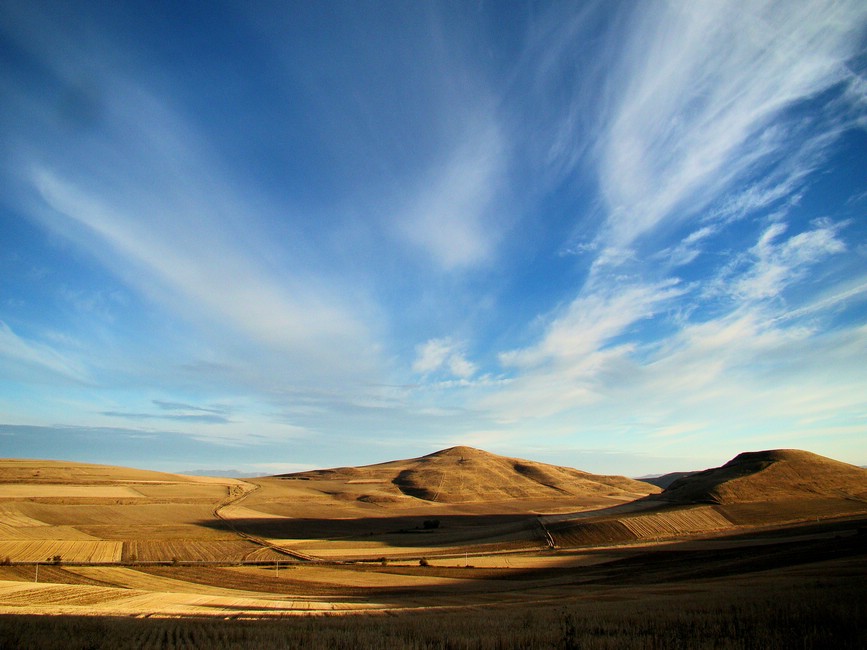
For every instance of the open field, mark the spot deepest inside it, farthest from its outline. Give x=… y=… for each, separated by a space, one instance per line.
x=71 y=551
x=585 y=566
x=782 y=593
x=43 y=490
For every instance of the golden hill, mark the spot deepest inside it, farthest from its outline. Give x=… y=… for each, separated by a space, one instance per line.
x=773 y=475
x=58 y=472
x=465 y=474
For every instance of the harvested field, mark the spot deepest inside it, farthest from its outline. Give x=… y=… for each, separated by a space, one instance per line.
x=265 y=554
x=65 y=491
x=46 y=573
x=12 y=516
x=69 y=551
x=146 y=581
x=243 y=512
x=131 y=521
x=190 y=550
x=387 y=554
x=673 y=523
x=773 y=616
x=791 y=510
x=43 y=532
x=590 y=533
x=183 y=492
x=632 y=527
x=24 y=598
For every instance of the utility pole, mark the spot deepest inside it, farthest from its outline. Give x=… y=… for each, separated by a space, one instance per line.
x=37 y=572
x=277 y=568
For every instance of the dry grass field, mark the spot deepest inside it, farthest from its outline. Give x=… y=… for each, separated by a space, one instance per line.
x=494 y=552
x=94 y=513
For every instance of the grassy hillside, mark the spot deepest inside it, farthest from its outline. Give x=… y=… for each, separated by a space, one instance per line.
x=774 y=475
x=465 y=474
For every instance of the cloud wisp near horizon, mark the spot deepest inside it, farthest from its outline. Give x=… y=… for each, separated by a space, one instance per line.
x=626 y=237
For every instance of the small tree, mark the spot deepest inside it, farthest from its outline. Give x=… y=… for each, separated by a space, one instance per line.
x=423 y=562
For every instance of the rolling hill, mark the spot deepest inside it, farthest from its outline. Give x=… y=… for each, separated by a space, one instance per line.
x=465 y=474
x=754 y=489
x=772 y=475
x=664 y=480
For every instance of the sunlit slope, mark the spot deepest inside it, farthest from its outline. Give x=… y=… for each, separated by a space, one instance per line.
x=762 y=488
x=773 y=475
x=56 y=472
x=82 y=512
x=467 y=475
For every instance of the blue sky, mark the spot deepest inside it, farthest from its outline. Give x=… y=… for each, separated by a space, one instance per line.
x=628 y=237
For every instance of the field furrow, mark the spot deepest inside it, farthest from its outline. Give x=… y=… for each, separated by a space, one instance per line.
x=67 y=550
x=677 y=522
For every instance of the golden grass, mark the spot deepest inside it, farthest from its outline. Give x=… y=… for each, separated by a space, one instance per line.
x=190 y=550
x=67 y=550
x=466 y=475
x=63 y=490
x=768 y=588
x=772 y=475
x=672 y=523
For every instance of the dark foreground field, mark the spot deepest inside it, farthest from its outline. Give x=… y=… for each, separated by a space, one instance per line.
x=777 y=590
x=817 y=615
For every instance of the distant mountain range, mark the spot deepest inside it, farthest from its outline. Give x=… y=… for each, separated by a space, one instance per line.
x=221 y=473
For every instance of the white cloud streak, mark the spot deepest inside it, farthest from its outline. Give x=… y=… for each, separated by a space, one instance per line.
x=694 y=96
x=441 y=354
x=776 y=262
x=577 y=356
x=24 y=357
x=452 y=215
x=196 y=246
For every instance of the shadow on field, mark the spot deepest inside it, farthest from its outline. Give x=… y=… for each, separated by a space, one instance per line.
x=404 y=531
x=632 y=572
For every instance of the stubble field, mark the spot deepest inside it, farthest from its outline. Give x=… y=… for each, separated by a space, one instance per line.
x=227 y=563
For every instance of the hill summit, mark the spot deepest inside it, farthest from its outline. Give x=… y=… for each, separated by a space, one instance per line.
x=465 y=474
x=771 y=475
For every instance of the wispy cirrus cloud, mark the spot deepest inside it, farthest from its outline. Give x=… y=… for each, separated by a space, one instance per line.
x=579 y=354
x=182 y=248
x=695 y=96
x=676 y=108
x=355 y=232
x=455 y=215
x=27 y=357
x=592 y=321
x=776 y=262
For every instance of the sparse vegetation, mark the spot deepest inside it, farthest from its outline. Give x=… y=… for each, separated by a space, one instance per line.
x=179 y=548
x=809 y=617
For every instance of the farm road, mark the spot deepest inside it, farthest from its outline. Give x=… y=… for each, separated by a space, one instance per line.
x=237 y=493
